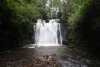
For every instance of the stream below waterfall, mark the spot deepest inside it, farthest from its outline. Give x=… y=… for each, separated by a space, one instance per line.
x=51 y=56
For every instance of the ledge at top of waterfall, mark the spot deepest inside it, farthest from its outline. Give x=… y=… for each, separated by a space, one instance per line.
x=47 y=33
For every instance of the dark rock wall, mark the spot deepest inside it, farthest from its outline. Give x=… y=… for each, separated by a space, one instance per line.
x=64 y=32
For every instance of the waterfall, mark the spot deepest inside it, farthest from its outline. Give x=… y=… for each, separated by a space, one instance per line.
x=47 y=33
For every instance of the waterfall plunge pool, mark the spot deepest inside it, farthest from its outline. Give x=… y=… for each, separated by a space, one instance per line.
x=51 y=56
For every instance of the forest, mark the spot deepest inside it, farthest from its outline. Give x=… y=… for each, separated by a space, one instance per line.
x=81 y=17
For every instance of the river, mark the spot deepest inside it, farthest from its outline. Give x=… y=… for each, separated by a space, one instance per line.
x=51 y=56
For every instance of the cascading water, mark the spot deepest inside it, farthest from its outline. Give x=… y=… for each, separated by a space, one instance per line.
x=47 y=34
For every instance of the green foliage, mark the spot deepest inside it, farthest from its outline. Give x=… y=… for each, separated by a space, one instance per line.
x=24 y=14
x=16 y=20
x=84 y=23
x=80 y=8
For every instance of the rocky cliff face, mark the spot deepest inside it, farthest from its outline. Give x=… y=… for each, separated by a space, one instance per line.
x=64 y=31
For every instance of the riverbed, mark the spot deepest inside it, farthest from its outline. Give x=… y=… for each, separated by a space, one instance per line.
x=47 y=56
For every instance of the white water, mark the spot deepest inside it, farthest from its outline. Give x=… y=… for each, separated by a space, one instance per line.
x=48 y=34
